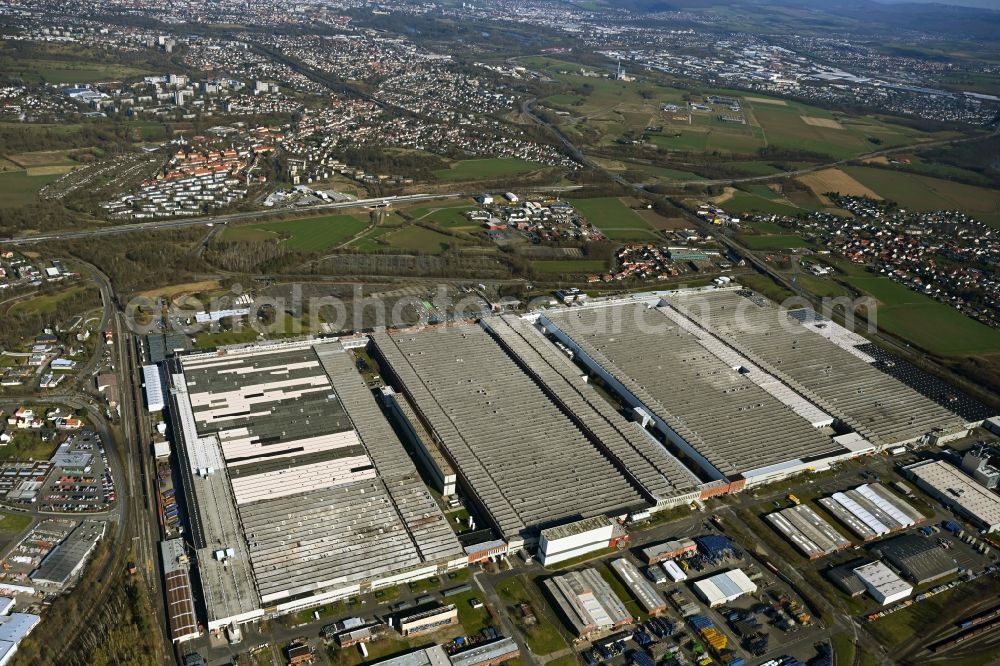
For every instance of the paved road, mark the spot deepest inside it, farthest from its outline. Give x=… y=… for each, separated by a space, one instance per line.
x=182 y=223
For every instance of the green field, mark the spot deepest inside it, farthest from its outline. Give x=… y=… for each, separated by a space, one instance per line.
x=487 y=169
x=49 y=303
x=616 y=220
x=543 y=638
x=12 y=523
x=451 y=217
x=67 y=71
x=418 y=239
x=575 y=266
x=17 y=188
x=311 y=234
x=927 y=193
x=934 y=326
x=774 y=242
x=745 y=202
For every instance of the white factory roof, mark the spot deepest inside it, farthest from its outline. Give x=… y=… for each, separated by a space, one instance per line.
x=960 y=490
x=725 y=587
x=880 y=578
x=153 y=386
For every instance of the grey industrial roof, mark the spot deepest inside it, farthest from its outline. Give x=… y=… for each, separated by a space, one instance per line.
x=960 y=490
x=586 y=600
x=882 y=409
x=918 y=558
x=725 y=416
x=576 y=527
x=643 y=458
x=65 y=559
x=336 y=502
x=523 y=457
x=484 y=652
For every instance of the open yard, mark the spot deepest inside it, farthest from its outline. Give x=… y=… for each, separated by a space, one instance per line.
x=311 y=234
x=543 y=638
x=487 y=169
x=616 y=220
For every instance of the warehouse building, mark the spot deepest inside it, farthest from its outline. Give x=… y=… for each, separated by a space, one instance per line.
x=487 y=654
x=732 y=422
x=725 y=587
x=557 y=544
x=669 y=550
x=299 y=490
x=152 y=386
x=428 y=620
x=587 y=602
x=429 y=656
x=807 y=531
x=949 y=485
x=14 y=628
x=831 y=375
x=510 y=411
x=650 y=600
x=843 y=576
x=882 y=583
x=674 y=570
x=982 y=463
x=919 y=559
x=64 y=562
x=871 y=511
x=181 y=619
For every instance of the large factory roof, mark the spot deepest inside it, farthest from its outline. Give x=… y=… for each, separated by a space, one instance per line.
x=659 y=473
x=300 y=485
x=67 y=558
x=727 y=417
x=841 y=383
x=524 y=458
x=953 y=486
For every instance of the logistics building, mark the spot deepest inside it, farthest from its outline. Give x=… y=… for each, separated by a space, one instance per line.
x=724 y=587
x=807 y=531
x=947 y=483
x=871 y=511
x=587 y=602
x=487 y=654
x=152 y=386
x=298 y=488
x=649 y=598
x=61 y=566
x=181 y=619
x=919 y=559
x=883 y=583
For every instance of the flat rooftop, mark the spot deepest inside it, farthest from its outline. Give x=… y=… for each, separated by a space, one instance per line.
x=959 y=489
x=728 y=418
x=524 y=458
x=879 y=407
x=300 y=485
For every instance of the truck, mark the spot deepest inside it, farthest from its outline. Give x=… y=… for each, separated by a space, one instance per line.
x=794 y=500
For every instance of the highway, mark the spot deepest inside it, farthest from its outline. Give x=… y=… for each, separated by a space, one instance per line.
x=183 y=223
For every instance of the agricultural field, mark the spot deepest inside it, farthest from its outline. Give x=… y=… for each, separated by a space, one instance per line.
x=66 y=71
x=569 y=266
x=774 y=242
x=19 y=188
x=616 y=220
x=919 y=319
x=312 y=234
x=926 y=193
x=835 y=180
x=486 y=169
x=744 y=202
